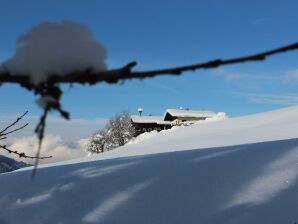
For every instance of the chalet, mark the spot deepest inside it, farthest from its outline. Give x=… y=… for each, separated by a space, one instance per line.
x=172 y=117
x=149 y=123
x=186 y=117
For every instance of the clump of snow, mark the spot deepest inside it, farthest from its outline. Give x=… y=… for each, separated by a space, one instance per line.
x=56 y=48
x=217 y=117
x=45 y=100
x=147 y=135
x=142 y=137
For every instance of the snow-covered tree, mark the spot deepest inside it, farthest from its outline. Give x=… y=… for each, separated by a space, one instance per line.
x=118 y=131
x=97 y=142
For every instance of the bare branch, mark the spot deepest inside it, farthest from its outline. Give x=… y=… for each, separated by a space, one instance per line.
x=17 y=129
x=217 y=63
x=40 y=133
x=113 y=76
x=12 y=124
x=5 y=132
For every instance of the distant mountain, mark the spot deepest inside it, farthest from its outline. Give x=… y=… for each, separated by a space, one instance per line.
x=8 y=164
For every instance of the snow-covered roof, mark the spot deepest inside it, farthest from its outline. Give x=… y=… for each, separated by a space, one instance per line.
x=189 y=113
x=148 y=119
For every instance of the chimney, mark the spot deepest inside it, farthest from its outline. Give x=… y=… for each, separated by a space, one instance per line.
x=140 y=110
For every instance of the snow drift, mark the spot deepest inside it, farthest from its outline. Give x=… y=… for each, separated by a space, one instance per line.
x=239 y=170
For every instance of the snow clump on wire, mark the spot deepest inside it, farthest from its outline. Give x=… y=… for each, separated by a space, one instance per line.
x=56 y=48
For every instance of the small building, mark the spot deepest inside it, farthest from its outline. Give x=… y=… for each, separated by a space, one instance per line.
x=149 y=123
x=172 y=117
x=187 y=117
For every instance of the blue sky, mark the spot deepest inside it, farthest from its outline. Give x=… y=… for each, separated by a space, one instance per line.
x=161 y=34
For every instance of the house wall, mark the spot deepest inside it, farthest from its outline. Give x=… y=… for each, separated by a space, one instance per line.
x=147 y=127
x=181 y=120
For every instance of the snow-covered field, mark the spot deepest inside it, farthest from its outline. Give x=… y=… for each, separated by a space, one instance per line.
x=239 y=170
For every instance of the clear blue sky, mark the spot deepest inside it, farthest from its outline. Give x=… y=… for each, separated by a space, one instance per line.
x=161 y=34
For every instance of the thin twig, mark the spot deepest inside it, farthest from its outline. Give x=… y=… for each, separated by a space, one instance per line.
x=12 y=124
x=5 y=132
x=17 y=129
x=40 y=133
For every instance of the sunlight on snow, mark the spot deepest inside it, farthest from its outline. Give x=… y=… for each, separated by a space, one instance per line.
x=43 y=196
x=216 y=154
x=276 y=177
x=108 y=206
x=95 y=171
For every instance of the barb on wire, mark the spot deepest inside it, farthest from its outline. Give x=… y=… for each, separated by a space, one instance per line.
x=22 y=154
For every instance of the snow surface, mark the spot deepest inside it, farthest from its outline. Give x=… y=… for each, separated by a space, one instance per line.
x=217 y=117
x=239 y=170
x=147 y=135
x=56 y=48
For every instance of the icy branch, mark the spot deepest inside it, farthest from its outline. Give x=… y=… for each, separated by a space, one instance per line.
x=88 y=76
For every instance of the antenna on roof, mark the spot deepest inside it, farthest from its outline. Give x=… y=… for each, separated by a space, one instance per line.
x=140 y=110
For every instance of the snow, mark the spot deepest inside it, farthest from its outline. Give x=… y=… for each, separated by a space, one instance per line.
x=149 y=119
x=56 y=48
x=148 y=135
x=217 y=117
x=189 y=113
x=142 y=137
x=44 y=101
x=238 y=170
x=106 y=207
